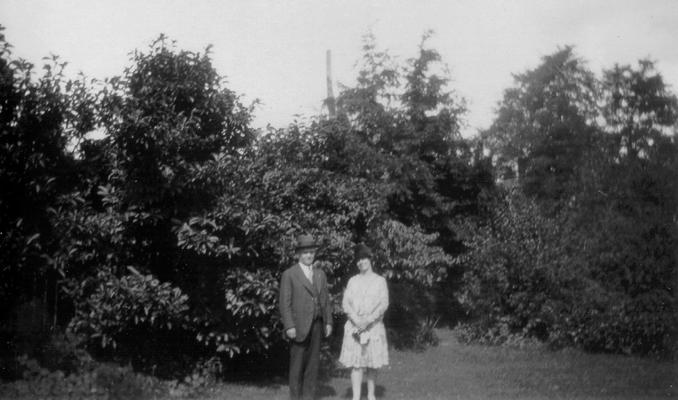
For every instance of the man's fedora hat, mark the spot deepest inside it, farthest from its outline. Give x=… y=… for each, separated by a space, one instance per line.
x=306 y=242
x=362 y=251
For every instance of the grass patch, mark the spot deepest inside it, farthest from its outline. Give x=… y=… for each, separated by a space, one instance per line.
x=456 y=371
x=449 y=371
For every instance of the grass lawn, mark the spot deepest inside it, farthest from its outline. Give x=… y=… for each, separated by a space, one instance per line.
x=455 y=371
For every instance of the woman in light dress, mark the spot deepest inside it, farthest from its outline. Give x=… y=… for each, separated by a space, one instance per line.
x=364 y=348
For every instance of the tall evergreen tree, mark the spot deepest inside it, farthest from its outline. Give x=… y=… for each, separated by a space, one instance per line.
x=545 y=125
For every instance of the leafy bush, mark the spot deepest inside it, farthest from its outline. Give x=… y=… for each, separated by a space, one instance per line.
x=94 y=382
x=413 y=266
x=134 y=319
x=519 y=272
x=600 y=155
x=40 y=112
x=250 y=323
x=530 y=276
x=406 y=253
x=109 y=306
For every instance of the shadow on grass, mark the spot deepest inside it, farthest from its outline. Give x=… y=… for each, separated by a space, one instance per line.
x=379 y=391
x=272 y=370
x=325 y=390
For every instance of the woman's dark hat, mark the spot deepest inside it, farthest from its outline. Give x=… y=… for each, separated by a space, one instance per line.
x=362 y=251
x=305 y=242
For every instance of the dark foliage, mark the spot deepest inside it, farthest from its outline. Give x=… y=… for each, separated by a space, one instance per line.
x=588 y=256
x=160 y=243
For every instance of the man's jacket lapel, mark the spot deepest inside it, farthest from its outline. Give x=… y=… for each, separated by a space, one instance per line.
x=299 y=274
x=316 y=281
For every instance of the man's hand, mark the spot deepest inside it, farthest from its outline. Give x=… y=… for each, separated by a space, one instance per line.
x=291 y=333
x=328 y=330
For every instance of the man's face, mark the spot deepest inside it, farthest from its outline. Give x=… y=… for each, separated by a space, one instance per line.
x=306 y=256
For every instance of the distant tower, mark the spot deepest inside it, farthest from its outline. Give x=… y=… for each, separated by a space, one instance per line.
x=330 y=101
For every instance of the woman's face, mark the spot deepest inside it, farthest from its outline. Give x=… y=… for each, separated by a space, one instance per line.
x=364 y=265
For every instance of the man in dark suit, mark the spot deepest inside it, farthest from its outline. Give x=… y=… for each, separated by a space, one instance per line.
x=306 y=312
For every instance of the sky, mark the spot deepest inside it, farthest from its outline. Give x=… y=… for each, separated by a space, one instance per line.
x=274 y=51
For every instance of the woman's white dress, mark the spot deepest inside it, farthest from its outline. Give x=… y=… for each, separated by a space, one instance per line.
x=366 y=297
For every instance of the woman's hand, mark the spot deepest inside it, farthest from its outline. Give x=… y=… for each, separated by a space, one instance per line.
x=361 y=324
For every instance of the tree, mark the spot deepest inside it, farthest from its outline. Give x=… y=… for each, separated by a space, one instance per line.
x=410 y=116
x=545 y=125
x=591 y=271
x=409 y=121
x=39 y=117
x=170 y=123
x=639 y=108
x=168 y=117
x=633 y=204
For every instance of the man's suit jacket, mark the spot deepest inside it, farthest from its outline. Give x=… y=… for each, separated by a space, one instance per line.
x=297 y=300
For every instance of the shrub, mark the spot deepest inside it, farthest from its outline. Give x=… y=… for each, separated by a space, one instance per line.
x=250 y=323
x=549 y=278
x=413 y=266
x=134 y=319
x=101 y=380
x=522 y=270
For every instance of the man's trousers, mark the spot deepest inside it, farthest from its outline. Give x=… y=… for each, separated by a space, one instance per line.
x=304 y=363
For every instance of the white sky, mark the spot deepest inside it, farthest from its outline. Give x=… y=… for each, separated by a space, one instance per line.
x=275 y=50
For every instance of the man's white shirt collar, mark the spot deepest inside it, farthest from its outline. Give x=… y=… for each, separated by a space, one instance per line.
x=308 y=271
